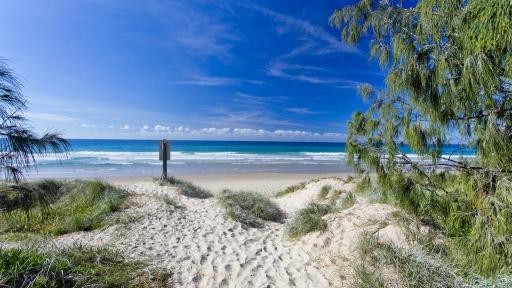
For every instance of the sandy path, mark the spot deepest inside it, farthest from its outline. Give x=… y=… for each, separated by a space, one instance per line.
x=202 y=247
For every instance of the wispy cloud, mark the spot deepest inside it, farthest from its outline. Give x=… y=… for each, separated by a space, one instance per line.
x=215 y=81
x=253 y=100
x=298 y=110
x=314 y=42
x=301 y=73
x=202 y=33
x=50 y=117
x=85 y=125
x=311 y=31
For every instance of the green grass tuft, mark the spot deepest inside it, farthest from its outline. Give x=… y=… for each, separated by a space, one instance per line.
x=324 y=192
x=383 y=264
x=291 y=189
x=186 y=188
x=250 y=208
x=76 y=266
x=52 y=207
x=308 y=219
x=168 y=200
x=348 y=201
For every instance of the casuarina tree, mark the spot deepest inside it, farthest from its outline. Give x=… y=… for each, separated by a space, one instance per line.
x=448 y=66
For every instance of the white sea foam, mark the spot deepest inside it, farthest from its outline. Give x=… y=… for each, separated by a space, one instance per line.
x=128 y=158
x=181 y=158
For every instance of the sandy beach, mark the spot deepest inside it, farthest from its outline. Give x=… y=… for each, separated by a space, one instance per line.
x=201 y=247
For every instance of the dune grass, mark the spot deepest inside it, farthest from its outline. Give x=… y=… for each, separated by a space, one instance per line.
x=250 y=208
x=348 y=201
x=56 y=207
x=291 y=189
x=186 y=188
x=324 y=192
x=475 y=224
x=76 y=266
x=168 y=200
x=308 y=219
x=416 y=267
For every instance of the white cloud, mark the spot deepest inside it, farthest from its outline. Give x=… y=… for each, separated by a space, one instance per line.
x=126 y=127
x=227 y=133
x=250 y=132
x=88 y=125
x=216 y=131
x=161 y=129
x=181 y=129
x=333 y=135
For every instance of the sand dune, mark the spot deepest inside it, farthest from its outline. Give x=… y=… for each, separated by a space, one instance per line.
x=203 y=248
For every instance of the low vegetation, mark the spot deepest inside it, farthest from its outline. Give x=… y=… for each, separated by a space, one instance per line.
x=77 y=266
x=384 y=265
x=475 y=225
x=168 y=200
x=308 y=219
x=57 y=207
x=335 y=196
x=291 y=189
x=324 y=192
x=250 y=208
x=348 y=200
x=186 y=188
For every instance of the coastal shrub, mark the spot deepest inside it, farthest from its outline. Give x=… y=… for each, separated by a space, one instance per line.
x=308 y=219
x=250 y=208
x=186 y=188
x=324 y=192
x=77 y=266
x=53 y=207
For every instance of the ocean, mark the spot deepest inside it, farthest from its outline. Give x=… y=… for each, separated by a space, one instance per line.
x=119 y=158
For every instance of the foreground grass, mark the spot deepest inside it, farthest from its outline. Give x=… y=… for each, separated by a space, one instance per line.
x=56 y=207
x=308 y=219
x=250 y=208
x=186 y=188
x=386 y=265
x=74 y=267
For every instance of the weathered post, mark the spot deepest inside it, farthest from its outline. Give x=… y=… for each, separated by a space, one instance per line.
x=164 y=155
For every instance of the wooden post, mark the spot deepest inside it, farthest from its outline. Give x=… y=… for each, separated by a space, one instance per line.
x=164 y=155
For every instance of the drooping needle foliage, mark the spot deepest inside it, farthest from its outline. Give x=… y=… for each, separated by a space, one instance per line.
x=19 y=145
x=449 y=80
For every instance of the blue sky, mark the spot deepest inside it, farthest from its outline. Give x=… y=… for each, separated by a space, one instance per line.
x=185 y=69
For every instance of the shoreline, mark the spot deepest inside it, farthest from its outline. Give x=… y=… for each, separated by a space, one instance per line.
x=259 y=182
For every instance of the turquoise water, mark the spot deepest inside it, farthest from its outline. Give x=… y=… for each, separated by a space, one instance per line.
x=100 y=158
